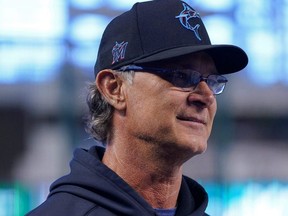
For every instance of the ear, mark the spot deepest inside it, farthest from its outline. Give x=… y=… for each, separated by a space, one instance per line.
x=110 y=86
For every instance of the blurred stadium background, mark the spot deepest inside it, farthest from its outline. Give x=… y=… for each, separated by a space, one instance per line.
x=47 y=52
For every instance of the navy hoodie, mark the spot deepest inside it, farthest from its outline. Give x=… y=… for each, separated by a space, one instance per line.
x=93 y=189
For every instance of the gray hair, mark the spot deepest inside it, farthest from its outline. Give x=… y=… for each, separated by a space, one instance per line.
x=100 y=111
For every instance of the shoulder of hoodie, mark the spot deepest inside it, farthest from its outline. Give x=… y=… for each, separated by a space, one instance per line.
x=68 y=204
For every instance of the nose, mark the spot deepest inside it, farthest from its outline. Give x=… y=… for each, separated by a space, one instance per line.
x=201 y=96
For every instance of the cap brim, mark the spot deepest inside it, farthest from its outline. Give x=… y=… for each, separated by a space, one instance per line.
x=227 y=58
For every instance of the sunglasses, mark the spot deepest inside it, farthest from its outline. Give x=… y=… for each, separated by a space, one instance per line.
x=183 y=78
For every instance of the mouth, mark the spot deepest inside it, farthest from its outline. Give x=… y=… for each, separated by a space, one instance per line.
x=191 y=119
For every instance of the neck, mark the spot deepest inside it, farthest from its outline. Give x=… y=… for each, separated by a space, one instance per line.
x=157 y=180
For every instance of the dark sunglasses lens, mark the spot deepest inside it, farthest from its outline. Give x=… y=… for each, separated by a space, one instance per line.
x=185 y=79
x=216 y=83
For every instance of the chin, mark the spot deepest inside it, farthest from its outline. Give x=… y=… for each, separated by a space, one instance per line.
x=197 y=147
x=187 y=150
x=195 y=141
x=202 y=149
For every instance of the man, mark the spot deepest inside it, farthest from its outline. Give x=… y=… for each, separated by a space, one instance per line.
x=152 y=106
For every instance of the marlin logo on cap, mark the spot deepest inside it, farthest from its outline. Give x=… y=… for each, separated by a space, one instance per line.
x=118 y=51
x=187 y=14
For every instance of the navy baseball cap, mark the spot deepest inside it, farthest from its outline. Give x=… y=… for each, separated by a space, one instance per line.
x=158 y=30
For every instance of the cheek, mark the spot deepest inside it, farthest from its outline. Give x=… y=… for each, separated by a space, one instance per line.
x=153 y=99
x=214 y=107
x=152 y=112
x=212 y=113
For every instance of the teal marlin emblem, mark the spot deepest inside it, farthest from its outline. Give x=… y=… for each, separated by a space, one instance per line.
x=184 y=17
x=118 y=51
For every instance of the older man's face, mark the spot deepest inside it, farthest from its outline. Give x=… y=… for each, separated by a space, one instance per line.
x=162 y=114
